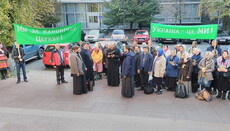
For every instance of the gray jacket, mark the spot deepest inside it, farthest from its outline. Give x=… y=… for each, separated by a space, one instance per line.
x=76 y=64
x=209 y=65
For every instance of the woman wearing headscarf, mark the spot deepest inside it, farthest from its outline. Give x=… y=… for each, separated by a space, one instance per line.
x=206 y=67
x=223 y=67
x=97 y=57
x=77 y=68
x=158 y=69
x=185 y=72
x=4 y=55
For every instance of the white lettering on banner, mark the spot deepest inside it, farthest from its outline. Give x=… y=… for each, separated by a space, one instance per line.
x=21 y=29
x=48 y=39
x=59 y=31
x=205 y=30
x=163 y=30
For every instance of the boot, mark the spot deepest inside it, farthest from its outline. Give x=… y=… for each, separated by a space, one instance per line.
x=224 y=96
x=219 y=94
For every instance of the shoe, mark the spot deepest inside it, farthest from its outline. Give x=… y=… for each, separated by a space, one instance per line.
x=219 y=95
x=26 y=81
x=64 y=81
x=58 y=83
x=3 y=78
x=228 y=96
x=223 y=96
x=17 y=82
x=140 y=89
x=159 y=92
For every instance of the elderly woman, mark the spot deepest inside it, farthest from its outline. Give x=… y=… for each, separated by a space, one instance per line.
x=4 y=55
x=97 y=57
x=78 y=71
x=223 y=67
x=196 y=58
x=185 y=72
x=206 y=66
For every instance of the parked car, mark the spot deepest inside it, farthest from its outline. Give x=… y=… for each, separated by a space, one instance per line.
x=167 y=40
x=94 y=35
x=50 y=48
x=189 y=41
x=119 y=35
x=141 y=36
x=223 y=37
x=33 y=51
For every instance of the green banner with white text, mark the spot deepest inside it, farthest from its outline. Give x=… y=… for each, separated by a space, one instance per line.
x=30 y=35
x=183 y=32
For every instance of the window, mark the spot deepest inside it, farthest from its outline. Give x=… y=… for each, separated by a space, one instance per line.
x=80 y=7
x=70 y=8
x=70 y=19
x=93 y=19
x=93 y=8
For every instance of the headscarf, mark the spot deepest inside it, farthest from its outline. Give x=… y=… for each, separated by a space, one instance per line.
x=160 y=52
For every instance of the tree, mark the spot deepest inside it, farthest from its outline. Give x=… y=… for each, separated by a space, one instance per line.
x=218 y=9
x=130 y=11
x=27 y=12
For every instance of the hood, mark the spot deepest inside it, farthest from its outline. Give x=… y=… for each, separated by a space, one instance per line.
x=130 y=54
x=160 y=52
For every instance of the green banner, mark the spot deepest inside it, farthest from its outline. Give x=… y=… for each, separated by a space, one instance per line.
x=183 y=32
x=29 y=35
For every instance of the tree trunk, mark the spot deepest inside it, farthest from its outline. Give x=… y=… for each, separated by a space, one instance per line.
x=131 y=26
x=226 y=23
x=140 y=26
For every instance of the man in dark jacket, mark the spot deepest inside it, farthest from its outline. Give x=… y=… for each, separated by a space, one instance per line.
x=86 y=56
x=215 y=47
x=137 y=53
x=19 y=57
x=196 y=58
x=145 y=67
x=128 y=73
x=58 y=62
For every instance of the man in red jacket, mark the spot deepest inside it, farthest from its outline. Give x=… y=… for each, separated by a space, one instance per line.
x=57 y=59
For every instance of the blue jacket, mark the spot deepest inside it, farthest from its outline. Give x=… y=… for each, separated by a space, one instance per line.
x=172 y=71
x=196 y=58
x=210 y=48
x=148 y=63
x=128 y=65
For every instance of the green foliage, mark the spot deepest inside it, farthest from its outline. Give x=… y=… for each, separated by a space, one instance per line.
x=35 y=13
x=130 y=11
x=218 y=9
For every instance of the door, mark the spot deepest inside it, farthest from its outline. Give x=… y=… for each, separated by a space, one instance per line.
x=93 y=20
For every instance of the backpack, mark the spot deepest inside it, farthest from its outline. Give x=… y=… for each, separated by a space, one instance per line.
x=148 y=90
x=180 y=91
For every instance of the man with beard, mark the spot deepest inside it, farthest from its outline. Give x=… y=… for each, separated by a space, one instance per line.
x=86 y=57
x=113 y=56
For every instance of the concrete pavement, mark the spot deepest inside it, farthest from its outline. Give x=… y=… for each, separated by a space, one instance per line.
x=43 y=105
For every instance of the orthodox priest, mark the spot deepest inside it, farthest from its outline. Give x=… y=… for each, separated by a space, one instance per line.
x=113 y=55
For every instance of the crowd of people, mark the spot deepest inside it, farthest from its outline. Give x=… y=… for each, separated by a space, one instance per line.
x=134 y=64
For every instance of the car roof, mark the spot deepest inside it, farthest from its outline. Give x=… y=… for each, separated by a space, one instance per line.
x=141 y=30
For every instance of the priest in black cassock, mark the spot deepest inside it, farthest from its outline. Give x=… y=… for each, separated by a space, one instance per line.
x=113 y=76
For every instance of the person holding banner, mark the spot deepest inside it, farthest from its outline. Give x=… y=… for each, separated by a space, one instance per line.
x=58 y=62
x=18 y=56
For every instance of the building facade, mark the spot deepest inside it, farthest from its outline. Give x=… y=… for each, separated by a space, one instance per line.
x=90 y=13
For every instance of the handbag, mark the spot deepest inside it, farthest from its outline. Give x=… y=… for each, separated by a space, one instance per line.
x=227 y=74
x=148 y=90
x=8 y=75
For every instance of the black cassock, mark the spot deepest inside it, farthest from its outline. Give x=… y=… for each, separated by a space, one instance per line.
x=79 y=84
x=113 y=76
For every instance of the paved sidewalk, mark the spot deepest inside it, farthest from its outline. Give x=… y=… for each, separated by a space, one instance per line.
x=43 y=105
